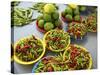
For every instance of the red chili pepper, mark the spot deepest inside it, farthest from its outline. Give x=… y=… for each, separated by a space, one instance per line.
x=45 y=61
x=26 y=46
x=74 y=52
x=49 y=69
x=78 y=34
x=49 y=38
x=18 y=47
x=72 y=56
x=79 y=29
x=72 y=47
x=69 y=31
x=72 y=64
x=73 y=30
x=24 y=50
x=56 y=38
x=60 y=46
x=94 y=28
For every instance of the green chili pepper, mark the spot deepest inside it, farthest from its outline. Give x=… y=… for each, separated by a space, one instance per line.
x=21 y=16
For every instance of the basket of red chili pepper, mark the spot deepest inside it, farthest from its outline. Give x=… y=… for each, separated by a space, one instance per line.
x=56 y=40
x=49 y=64
x=77 y=30
x=91 y=22
x=77 y=58
x=28 y=50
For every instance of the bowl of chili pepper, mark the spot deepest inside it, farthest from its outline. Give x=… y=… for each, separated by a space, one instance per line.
x=49 y=64
x=28 y=50
x=56 y=40
x=91 y=22
x=77 y=57
x=77 y=30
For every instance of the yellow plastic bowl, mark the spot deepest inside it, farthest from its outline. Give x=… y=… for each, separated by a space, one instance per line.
x=90 y=64
x=51 y=48
x=30 y=62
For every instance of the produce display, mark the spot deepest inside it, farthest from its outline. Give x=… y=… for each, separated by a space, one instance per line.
x=56 y=48
x=91 y=22
x=56 y=40
x=28 y=50
x=77 y=30
x=74 y=58
x=72 y=13
x=21 y=16
x=50 y=64
x=77 y=58
x=49 y=19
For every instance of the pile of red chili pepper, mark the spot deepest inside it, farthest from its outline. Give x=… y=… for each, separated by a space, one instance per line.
x=92 y=23
x=77 y=30
x=29 y=49
x=57 y=39
x=50 y=64
x=77 y=58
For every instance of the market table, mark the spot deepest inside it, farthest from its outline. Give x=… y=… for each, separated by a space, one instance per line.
x=90 y=41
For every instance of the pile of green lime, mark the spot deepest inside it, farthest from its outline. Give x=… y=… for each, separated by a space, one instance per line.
x=49 y=19
x=71 y=14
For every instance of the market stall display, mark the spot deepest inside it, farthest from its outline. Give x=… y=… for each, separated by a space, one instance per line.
x=53 y=49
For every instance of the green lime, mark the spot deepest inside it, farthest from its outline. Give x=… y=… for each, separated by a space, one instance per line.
x=69 y=17
x=55 y=15
x=76 y=11
x=82 y=8
x=47 y=17
x=41 y=23
x=68 y=10
x=77 y=18
x=48 y=26
x=49 y=8
x=40 y=17
x=58 y=23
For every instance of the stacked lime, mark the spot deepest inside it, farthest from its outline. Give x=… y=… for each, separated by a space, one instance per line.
x=72 y=12
x=49 y=19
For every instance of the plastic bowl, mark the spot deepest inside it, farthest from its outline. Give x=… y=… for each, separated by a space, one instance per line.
x=53 y=49
x=90 y=61
x=30 y=62
x=35 y=66
x=78 y=38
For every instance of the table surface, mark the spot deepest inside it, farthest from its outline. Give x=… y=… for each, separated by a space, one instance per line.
x=90 y=41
